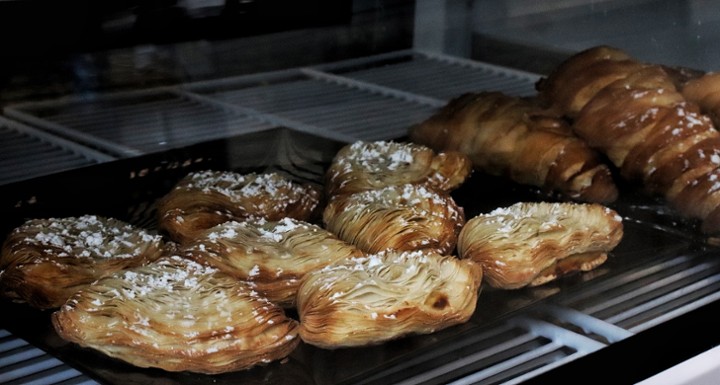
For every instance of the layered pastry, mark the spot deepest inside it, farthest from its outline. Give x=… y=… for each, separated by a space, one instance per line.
x=532 y=243
x=574 y=82
x=272 y=256
x=406 y=217
x=45 y=261
x=515 y=138
x=177 y=315
x=635 y=114
x=384 y=296
x=204 y=199
x=364 y=166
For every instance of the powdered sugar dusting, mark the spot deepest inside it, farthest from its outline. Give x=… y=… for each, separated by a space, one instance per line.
x=414 y=197
x=89 y=236
x=235 y=185
x=380 y=156
x=171 y=274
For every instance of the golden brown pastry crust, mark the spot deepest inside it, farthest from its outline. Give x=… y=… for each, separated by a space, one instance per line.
x=272 y=256
x=514 y=137
x=177 y=315
x=369 y=300
x=204 y=199
x=528 y=244
x=576 y=80
x=45 y=261
x=407 y=217
x=645 y=126
x=364 y=166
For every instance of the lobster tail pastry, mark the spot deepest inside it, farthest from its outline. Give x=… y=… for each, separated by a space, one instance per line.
x=384 y=296
x=529 y=244
x=650 y=131
x=514 y=137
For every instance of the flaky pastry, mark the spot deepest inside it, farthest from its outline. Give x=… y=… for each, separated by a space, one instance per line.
x=204 y=199
x=645 y=126
x=364 y=166
x=573 y=83
x=45 y=261
x=529 y=244
x=271 y=255
x=407 y=217
x=177 y=315
x=384 y=296
x=515 y=138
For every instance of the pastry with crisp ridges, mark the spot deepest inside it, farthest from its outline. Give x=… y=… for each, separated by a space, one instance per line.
x=364 y=166
x=574 y=82
x=532 y=243
x=177 y=315
x=651 y=132
x=272 y=256
x=384 y=296
x=45 y=261
x=407 y=217
x=204 y=199
x=515 y=138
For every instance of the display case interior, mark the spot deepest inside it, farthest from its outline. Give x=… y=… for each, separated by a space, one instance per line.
x=111 y=104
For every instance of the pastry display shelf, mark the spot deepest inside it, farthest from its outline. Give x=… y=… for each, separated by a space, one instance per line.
x=28 y=152
x=369 y=98
x=372 y=98
x=22 y=363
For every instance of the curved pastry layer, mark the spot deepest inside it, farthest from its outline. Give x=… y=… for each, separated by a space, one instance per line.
x=177 y=315
x=408 y=217
x=513 y=137
x=529 y=244
x=204 y=199
x=369 y=300
x=45 y=261
x=272 y=256
x=705 y=92
x=364 y=166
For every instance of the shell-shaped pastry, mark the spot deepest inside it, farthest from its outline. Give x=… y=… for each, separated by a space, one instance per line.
x=204 y=199
x=364 y=166
x=272 y=256
x=177 y=315
x=384 y=296
x=531 y=243
x=407 y=217
x=45 y=261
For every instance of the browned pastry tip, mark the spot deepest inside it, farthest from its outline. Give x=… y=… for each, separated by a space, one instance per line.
x=528 y=244
x=364 y=166
x=407 y=217
x=177 y=315
x=44 y=261
x=272 y=256
x=705 y=91
x=384 y=296
x=514 y=137
x=207 y=198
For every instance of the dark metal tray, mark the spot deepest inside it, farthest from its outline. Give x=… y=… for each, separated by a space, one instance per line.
x=128 y=189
